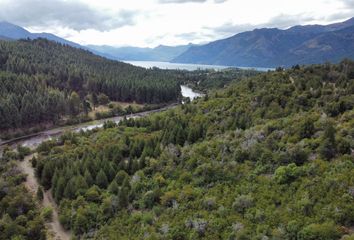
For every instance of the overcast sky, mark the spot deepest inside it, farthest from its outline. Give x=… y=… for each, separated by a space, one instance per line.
x=169 y=22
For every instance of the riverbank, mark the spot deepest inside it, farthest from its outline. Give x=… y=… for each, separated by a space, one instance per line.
x=34 y=140
x=56 y=129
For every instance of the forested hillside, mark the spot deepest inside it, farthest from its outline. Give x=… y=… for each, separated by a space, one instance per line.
x=270 y=157
x=42 y=80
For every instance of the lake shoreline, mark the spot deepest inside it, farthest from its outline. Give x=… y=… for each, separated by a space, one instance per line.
x=189 y=66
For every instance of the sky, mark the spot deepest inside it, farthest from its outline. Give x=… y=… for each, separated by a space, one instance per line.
x=149 y=23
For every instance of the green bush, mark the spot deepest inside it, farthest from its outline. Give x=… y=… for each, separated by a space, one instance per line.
x=287 y=174
x=324 y=231
x=47 y=213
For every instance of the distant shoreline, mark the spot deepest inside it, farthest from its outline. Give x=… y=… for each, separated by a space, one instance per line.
x=189 y=66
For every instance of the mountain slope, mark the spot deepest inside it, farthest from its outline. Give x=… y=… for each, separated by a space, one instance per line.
x=161 y=53
x=5 y=38
x=274 y=47
x=331 y=47
x=11 y=31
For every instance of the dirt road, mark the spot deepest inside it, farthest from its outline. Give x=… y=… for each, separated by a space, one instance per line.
x=32 y=185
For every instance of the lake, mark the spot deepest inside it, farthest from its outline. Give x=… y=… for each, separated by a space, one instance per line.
x=186 y=66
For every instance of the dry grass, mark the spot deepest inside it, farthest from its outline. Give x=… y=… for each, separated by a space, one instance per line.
x=105 y=108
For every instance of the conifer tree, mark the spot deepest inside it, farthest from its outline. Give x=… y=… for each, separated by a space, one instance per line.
x=101 y=179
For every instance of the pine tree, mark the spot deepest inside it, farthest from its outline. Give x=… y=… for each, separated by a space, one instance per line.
x=59 y=190
x=123 y=197
x=46 y=177
x=74 y=104
x=88 y=178
x=94 y=100
x=113 y=187
x=70 y=189
x=120 y=177
x=81 y=184
x=101 y=179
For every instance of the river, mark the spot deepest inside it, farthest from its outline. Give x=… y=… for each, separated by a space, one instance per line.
x=34 y=140
x=188 y=92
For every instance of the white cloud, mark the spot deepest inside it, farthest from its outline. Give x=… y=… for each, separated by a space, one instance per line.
x=174 y=22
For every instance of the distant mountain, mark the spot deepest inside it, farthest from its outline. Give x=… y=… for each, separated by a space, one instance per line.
x=5 y=38
x=161 y=53
x=272 y=47
x=10 y=31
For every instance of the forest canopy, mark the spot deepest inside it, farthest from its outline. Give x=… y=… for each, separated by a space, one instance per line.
x=269 y=157
x=42 y=80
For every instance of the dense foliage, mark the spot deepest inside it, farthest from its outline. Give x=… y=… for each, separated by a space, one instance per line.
x=42 y=80
x=20 y=217
x=204 y=80
x=268 y=157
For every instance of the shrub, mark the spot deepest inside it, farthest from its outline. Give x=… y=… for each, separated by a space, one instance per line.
x=168 y=198
x=325 y=231
x=47 y=213
x=287 y=174
x=242 y=203
x=103 y=99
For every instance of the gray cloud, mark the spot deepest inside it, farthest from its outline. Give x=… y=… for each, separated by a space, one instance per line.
x=190 y=1
x=72 y=14
x=348 y=3
x=281 y=21
x=285 y=21
x=192 y=36
x=230 y=28
x=340 y=16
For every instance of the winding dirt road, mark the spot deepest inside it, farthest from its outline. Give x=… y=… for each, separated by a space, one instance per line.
x=59 y=233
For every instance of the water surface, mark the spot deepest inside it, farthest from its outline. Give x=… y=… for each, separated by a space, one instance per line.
x=186 y=66
x=188 y=92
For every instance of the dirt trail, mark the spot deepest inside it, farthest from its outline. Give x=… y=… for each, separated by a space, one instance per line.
x=32 y=185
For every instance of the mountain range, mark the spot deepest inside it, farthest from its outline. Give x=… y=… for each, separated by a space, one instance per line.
x=272 y=47
x=9 y=31
x=160 y=53
x=266 y=47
